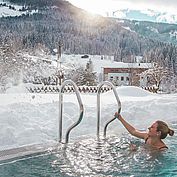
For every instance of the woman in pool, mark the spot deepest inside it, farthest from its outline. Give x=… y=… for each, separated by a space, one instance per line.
x=157 y=132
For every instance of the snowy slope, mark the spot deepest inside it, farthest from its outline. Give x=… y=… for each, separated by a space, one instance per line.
x=68 y=61
x=6 y=10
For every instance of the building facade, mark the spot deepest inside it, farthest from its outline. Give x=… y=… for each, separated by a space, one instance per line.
x=127 y=74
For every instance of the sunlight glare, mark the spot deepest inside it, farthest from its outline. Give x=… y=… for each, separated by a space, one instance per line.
x=113 y=7
x=93 y=6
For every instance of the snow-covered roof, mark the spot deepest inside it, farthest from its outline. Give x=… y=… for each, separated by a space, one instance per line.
x=130 y=65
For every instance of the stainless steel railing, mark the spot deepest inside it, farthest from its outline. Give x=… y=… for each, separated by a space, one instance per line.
x=68 y=82
x=98 y=105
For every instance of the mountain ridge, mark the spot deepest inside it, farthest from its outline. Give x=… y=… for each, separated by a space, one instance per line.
x=78 y=33
x=161 y=31
x=81 y=33
x=146 y=15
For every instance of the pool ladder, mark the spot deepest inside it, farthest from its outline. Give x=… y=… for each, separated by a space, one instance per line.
x=69 y=82
x=98 y=106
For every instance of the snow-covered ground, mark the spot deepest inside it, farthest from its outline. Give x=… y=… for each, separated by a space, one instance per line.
x=68 y=61
x=99 y=62
x=9 y=9
x=27 y=118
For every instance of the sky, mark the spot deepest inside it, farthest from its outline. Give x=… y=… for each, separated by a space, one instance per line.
x=151 y=10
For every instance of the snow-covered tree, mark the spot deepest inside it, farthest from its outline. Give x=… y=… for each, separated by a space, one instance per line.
x=159 y=76
x=10 y=62
x=17 y=66
x=83 y=76
x=89 y=66
x=155 y=75
x=169 y=82
x=89 y=75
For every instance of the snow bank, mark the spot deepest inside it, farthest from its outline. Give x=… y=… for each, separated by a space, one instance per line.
x=133 y=91
x=33 y=118
x=18 y=89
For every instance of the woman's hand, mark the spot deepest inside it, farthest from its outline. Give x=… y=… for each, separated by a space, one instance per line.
x=117 y=115
x=129 y=127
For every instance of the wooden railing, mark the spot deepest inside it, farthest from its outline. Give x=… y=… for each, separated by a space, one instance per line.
x=69 y=89
x=151 y=89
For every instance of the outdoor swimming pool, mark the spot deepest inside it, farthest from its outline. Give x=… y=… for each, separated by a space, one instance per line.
x=90 y=157
x=36 y=122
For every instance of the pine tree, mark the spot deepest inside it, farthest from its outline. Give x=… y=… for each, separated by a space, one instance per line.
x=85 y=76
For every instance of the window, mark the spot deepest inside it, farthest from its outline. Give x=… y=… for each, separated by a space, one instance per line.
x=111 y=78
x=117 y=78
x=127 y=78
x=122 y=78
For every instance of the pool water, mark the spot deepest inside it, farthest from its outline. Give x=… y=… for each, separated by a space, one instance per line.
x=93 y=157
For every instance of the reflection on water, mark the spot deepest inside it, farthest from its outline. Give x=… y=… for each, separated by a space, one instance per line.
x=91 y=157
x=111 y=157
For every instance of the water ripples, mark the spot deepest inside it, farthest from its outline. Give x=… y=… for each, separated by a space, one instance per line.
x=103 y=157
x=109 y=157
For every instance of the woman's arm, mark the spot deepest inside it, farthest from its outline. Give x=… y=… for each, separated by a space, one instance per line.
x=130 y=129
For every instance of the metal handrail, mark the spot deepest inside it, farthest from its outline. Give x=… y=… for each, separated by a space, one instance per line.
x=98 y=105
x=67 y=82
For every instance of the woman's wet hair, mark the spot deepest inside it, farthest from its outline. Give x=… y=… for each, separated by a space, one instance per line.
x=165 y=130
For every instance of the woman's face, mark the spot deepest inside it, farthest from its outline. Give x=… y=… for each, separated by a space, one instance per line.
x=153 y=129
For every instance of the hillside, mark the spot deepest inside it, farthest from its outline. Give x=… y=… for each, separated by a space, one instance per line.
x=38 y=25
x=46 y=21
x=160 y=31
